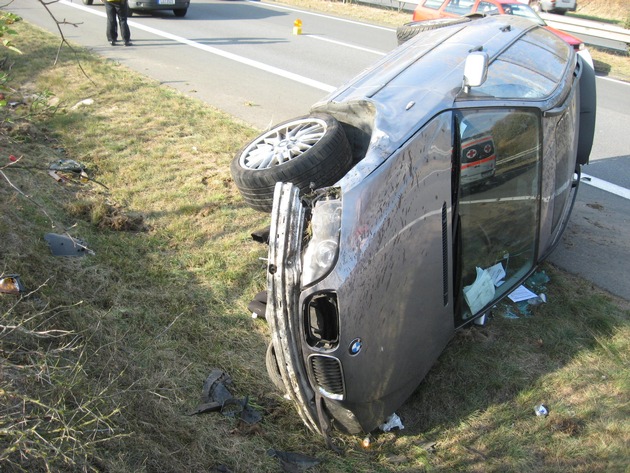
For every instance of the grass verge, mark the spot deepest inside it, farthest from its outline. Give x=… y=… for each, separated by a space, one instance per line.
x=104 y=355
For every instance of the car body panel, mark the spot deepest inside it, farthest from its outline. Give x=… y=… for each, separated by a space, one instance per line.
x=559 y=6
x=396 y=291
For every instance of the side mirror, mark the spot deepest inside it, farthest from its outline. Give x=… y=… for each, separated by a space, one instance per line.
x=475 y=70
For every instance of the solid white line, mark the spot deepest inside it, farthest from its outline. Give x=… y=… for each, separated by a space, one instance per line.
x=218 y=52
x=605 y=186
x=328 y=40
x=610 y=79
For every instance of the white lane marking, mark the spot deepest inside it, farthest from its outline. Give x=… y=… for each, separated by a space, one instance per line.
x=233 y=57
x=347 y=45
x=321 y=15
x=610 y=79
x=606 y=186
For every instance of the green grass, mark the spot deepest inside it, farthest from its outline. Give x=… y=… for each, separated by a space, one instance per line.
x=104 y=355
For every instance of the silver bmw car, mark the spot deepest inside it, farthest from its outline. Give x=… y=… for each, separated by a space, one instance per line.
x=409 y=202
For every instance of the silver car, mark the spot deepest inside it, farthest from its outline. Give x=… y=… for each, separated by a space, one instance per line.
x=391 y=242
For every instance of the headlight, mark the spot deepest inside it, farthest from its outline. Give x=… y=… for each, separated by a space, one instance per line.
x=321 y=252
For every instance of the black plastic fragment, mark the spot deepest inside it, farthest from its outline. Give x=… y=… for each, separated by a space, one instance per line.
x=64 y=245
x=262 y=235
x=291 y=462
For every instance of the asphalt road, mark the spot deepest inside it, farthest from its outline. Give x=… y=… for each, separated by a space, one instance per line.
x=242 y=57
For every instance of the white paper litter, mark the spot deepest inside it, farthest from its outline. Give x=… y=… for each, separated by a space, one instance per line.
x=521 y=293
x=392 y=422
x=481 y=292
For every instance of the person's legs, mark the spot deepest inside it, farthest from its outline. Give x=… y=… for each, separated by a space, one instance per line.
x=111 y=30
x=121 y=9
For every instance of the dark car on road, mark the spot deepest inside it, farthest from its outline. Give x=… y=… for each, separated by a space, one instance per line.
x=178 y=7
x=382 y=241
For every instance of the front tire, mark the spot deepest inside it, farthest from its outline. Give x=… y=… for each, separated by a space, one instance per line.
x=88 y=2
x=180 y=12
x=307 y=151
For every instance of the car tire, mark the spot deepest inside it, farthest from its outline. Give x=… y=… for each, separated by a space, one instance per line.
x=180 y=12
x=88 y=2
x=409 y=30
x=272 y=369
x=305 y=151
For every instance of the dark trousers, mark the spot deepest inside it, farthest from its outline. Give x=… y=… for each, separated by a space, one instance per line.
x=113 y=10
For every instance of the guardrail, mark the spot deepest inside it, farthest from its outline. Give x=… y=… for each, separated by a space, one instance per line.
x=591 y=32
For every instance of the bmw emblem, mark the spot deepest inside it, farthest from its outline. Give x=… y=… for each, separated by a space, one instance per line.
x=355 y=346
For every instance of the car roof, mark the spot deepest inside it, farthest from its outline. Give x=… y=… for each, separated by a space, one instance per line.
x=424 y=76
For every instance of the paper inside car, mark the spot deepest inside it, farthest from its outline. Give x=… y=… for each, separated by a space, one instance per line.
x=408 y=203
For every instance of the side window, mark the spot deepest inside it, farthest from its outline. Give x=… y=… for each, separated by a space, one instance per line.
x=435 y=4
x=459 y=7
x=487 y=8
x=497 y=206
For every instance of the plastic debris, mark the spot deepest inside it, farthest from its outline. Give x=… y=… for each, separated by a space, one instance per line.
x=293 y=462
x=64 y=245
x=216 y=397
x=11 y=284
x=67 y=165
x=82 y=103
x=392 y=422
x=258 y=306
x=541 y=410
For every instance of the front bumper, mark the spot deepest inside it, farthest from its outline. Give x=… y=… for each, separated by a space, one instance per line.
x=151 y=5
x=283 y=282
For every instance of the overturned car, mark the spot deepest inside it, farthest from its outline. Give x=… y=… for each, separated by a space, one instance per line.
x=408 y=203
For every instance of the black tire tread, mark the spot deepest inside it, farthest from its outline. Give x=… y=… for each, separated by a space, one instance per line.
x=409 y=30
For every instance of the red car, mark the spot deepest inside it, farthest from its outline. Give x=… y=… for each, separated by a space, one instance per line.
x=432 y=9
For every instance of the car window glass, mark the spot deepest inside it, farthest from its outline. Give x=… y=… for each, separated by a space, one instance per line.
x=498 y=204
x=435 y=4
x=524 y=11
x=487 y=8
x=459 y=7
x=512 y=75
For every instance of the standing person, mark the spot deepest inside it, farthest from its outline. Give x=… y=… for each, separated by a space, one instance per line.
x=117 y=8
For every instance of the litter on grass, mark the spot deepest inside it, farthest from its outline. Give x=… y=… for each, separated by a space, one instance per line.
x=65 y=245
x=216 y=397
x=392 y=422
x=11 y=284
x=529 y=294
x=291 y=462
x=542 y=411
